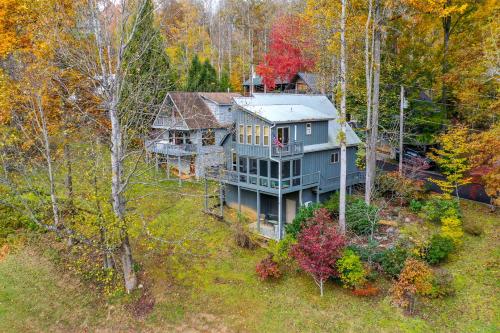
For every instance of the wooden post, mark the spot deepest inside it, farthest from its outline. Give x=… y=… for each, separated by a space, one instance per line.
x=258 y=211
x=156 y=164
x=168 y=168
x=317 y=195
x=280 y=218
x=300 y=197
x=239 y=199
x=206 y=194
x=401 y=121
x=179 y=169
x=221 y=200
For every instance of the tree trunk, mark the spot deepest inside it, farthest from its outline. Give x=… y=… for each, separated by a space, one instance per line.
x=368 y=74
x=343 y=146
x=321 y=287
x=445 y=67
x=371 y=165
x=69 y=176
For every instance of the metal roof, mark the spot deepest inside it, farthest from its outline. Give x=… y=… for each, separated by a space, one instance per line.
x=221 y=98
x=281 y=113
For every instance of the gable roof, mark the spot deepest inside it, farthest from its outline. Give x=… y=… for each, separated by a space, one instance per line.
x=284 y=113
x=221 y=98
x=257 y=81
x=311 y=79
x=195 y=113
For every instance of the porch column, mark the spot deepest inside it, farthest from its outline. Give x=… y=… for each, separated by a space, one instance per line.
x=221 y=201
x=168 y=169
x=280 y=218
x=156 y=164
x=179 y=169
x=258 y=211
x=239 y=199
x=300 y=197
x=317 y=195
x=350 y=190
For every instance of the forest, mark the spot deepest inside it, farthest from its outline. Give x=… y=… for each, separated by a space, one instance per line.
x=96 y=235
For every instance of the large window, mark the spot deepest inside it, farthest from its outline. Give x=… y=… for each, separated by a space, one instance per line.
x=252 y=166
x=257 y=134
x=266 y=135
x=249 y=134
x=241 y=134
x=243 y=164
x=285 y=169
x=263 y=168
x=284 y=135
x=296 y=168
x=334 y=158
x=274 y=169
x=208 y=138
x=234 y=162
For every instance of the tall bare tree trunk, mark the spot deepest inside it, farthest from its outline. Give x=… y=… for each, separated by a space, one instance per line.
x=372 y=148
x=369 y=85
x=343 y=146
x=48 y=159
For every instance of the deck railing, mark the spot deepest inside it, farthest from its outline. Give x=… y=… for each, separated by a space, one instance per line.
x=292 y=148
x=167 y=122
x=170 y=148
x=311 y=179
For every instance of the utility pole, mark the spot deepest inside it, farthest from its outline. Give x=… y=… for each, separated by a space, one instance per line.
x=401 y=128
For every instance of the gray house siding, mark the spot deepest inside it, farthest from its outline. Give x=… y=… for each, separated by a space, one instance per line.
x=319 y=132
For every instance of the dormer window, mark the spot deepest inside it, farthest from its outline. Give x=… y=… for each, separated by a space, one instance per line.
x=308 y=128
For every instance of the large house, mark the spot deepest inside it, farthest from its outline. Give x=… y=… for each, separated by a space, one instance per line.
x=301 y=83
x=284 y=153
x=188 y=130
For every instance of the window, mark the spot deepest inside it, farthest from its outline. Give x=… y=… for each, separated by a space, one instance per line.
x=249 y=134
x=234 y=162
x=296 y=168
x=334 y=158
x=308 y=129
x=274 y=169
x=243 y=164
x=242 y=134
x=263 y=168
x=266 y=135
x=284 y=135
x=285 y=169
x=208 y=138
x=257 y=134
x=253 y=166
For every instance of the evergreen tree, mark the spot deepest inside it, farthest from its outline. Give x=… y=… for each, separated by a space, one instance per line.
x=146 y=68
x=203 y=77
x=194 y=75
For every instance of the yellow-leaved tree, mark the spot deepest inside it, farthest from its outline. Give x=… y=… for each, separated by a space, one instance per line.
x=452 y=159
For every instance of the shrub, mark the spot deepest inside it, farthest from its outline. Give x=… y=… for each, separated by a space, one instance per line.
x=304 y=213
x=242 y=237
x=436 y=208
x=332 y=204
x=368 y=253
x=415 y=206
x=442 y=284
x=393 y=260
x=452 y=227
x=268 y=269
x=362 y=219
x=351 y=270
x=415 y=280
x=393 y=185
x=281 y=249
x=366 y=291
x=438 y=249
x=473 y=229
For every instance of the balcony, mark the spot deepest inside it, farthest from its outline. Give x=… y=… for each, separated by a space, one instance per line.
x=270 y=184
x=166 y=148
x=290 y=149
x=168 y=122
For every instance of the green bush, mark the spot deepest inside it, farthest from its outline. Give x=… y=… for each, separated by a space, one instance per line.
x=304 y=213
x=439 y=248
x=361 y=218
x=332 y=204
x=368 y=253
x=393 y=260
x=415 y=205
x=351 y=270
x=280 y=250
x=437 y=208
x=442 y=284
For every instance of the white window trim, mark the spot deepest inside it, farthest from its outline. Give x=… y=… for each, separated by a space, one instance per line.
x=338 y=158
x=268 y=136
x=258 y=136
x=308 y=128
x=247 y=135
x=241 y=134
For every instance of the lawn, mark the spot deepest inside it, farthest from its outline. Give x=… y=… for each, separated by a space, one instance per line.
x=201 y=281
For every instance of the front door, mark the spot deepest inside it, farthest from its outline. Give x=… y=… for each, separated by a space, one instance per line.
x=291 y=208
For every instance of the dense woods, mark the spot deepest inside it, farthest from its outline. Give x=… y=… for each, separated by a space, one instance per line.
x=81 y=82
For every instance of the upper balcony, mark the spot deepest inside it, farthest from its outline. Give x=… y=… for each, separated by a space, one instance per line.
x=167 y=122
x=166 y=148
x=277 y=151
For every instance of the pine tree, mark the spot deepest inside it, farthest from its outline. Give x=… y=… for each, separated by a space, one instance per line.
x=146 y=67
x=194 y=75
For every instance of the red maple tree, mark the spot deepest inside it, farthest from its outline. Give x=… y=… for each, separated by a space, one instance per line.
x=319 y=246
x=288 y=51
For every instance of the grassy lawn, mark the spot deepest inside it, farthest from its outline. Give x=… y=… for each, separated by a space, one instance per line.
x=203 y=282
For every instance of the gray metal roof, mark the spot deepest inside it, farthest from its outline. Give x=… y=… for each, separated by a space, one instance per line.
x=257 y=81
x=283 y=108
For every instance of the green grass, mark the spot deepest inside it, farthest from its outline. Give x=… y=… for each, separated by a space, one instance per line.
x=205 y=281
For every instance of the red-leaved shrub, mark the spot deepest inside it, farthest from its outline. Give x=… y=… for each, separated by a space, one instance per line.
x=367 y=291
x=268 y=269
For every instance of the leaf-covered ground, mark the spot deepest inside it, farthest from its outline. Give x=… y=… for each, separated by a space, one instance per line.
x=204 y=283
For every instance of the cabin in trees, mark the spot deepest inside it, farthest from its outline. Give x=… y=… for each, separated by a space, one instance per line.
x=187 y=131
x=301 y=83
x=284 y=153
